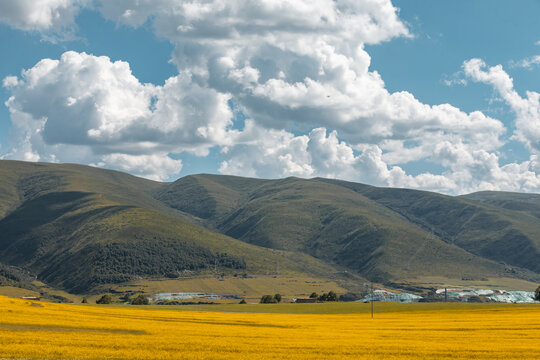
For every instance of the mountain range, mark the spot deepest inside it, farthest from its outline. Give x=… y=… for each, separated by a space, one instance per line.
x=76 y=227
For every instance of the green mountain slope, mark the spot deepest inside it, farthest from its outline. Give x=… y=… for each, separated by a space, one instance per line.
x=78 y=227
x=519 y=202
x=330 y=221
x=493 y=232
x=210 y=197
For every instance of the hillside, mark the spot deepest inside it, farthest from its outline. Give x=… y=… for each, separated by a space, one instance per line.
x=78 y=227
x=500 y=234
x=383 y=234
x=519 y=202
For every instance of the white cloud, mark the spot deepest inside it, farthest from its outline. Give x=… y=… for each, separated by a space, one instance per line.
x=480 y=170
x=369 y=21
x=527 y=63
x=154 y=166
x=319 y=154
x=266 y=153
x=97 y=105
x=453 y=82
x=304 y=64
x=279 y=154
x=51 y=17
x=456 y=79
x=527 y=109
x=10 y=81
x=287 y=66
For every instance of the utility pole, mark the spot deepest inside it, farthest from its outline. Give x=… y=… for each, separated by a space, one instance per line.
x=445 y=294
x=372 y=299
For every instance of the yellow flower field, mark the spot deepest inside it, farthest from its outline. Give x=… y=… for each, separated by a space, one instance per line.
x=40 y=330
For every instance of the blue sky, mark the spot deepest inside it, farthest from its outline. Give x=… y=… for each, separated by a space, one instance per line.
x=448 y=33
x=351 y=91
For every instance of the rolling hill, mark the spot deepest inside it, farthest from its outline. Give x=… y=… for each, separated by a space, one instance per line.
x=518 y=202
x=77 y=227
x=501 y=234
x=380 y=233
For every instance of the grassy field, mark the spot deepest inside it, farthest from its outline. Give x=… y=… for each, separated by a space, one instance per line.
x=14 y=291
x=250 y=288
x=36 y=330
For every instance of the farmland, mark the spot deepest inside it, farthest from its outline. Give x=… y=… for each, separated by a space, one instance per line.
x=250 y=288
x=33 y=330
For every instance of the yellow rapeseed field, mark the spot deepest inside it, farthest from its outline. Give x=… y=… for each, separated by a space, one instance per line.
x=37 y=330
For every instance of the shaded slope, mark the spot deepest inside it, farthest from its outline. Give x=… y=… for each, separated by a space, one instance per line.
x=72 y=241
x=210 y=197
x=114 y=231
x=488 y=231
x=78 y=227
x=24 y=181
x=332 y=223
x=524 y=203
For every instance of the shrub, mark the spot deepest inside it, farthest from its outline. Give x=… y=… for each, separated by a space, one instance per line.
x=243 y=301
x=349 y=297
x=105 y=299
x=140 y=300
x=313 y=295
x=268 y=299
x=331 y=296
x=277 y=297
x=537 y=294
x=84 y=300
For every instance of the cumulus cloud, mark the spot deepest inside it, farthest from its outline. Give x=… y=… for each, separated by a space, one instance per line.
x=299 y=74
x=527 y=109
x=51 y=17
x=153 y=166
x=321 y=153
x=369 y=21
x=303 y=64
x=97 y=105
x=480 y=170
x=309 y=72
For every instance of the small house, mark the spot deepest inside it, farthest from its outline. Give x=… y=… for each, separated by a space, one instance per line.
x=305 y=300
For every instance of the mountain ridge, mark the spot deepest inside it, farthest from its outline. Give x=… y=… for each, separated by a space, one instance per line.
x=78 y=227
